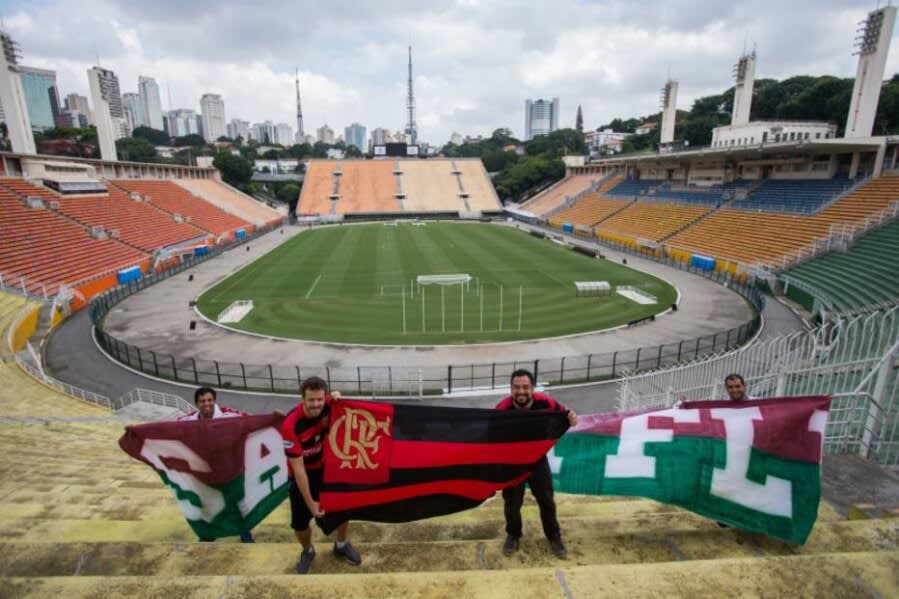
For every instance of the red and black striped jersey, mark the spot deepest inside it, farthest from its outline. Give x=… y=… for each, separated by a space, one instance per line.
x=304 y=436
x=542 y=401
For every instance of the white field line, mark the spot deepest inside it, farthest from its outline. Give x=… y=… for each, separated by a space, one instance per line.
x=314 y=283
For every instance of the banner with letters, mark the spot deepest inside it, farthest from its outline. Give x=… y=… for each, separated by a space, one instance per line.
x=753 y=464
x=226 y=474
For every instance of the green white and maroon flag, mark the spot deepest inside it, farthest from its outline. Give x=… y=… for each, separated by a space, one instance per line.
x=227 y=474
x=754 y=464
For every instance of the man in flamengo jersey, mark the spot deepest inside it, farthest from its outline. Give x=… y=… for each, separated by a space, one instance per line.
x=523 y=397
x=304 y=430
x=205 y=400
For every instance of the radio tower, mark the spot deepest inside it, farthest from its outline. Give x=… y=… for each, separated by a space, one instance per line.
x=300 y=133
x=411 y=129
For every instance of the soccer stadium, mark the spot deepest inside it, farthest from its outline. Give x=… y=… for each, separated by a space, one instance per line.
x=635 y=282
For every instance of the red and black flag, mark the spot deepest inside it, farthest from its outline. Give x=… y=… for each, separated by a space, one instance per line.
x=398 y=463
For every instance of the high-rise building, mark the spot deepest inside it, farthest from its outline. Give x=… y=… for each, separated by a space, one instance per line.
x=183 y=121
x=238 y=128
x=104 y=87
x=212 y=107
x=355 y=136
x=283 y=134
x=109 y=85
x=325 y=134
x=150 y=102
x=263 y=132
x=77 y=103
x=41 y=99
x=540 y=117
x=12 y=98
x=131 y=106
x=379 y=136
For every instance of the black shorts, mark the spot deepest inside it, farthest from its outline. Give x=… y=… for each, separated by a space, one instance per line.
x=300 y=516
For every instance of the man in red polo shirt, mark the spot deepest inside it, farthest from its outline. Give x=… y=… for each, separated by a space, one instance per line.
x=304 y=431
x=523 y=397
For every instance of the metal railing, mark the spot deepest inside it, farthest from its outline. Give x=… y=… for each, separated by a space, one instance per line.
x=38 y=373
x=158 y=398
x=390 y=380
x=854 y=360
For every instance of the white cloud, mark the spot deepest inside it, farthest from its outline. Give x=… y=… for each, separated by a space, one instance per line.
x=475 y=62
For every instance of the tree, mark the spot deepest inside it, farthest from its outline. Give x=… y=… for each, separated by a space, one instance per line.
x=272 y=154
x=299 y=150
x=154 y=136
x=353 y=152
x=190 y=140
x=579 y=121
x=288 y=192
x=236 y=170
x=496 y=160
x=135 y=150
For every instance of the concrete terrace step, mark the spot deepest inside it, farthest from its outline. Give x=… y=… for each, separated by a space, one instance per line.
x=830 y=575
x=588 y=544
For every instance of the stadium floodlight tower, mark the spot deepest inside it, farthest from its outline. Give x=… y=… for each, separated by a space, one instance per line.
x=744 y=73
x=872 y=46
x=12 y=98
x=669 y=111
x=100 y=96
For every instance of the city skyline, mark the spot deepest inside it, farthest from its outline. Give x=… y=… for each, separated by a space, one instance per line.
x=474 y=66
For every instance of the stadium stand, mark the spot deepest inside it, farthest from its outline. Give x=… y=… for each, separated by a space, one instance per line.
x=588 y=211
x=21 y=187
x=367 y=186
x=318 y=185
x=168 y=196
x=750 y=237
x=864 y=276
x=231 y=201
x=556 y=195
x=652 y=221
x=48 y=248
x=138 y=224
x=477 y=184
x=803 y=196
x=430 y=185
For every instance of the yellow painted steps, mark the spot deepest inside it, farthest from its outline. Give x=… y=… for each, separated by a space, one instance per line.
x=588 y=544
x=830 y=575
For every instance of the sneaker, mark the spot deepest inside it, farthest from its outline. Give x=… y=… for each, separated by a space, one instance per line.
x=510 y=546
x=306 y=557
x=246 y=537
x=348 y=553
x=558 y=548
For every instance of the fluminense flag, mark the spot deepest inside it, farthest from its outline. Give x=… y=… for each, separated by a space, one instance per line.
x=754 y=464
x=398 y=463
x=227 y=474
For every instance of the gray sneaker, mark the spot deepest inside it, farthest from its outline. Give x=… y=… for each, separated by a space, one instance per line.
x=306 y=557
x=348 y=553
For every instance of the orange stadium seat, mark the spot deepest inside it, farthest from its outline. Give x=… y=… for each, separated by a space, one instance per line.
x=231 y=201
x=367 y=186
x=48 y=248
x=318 y=185
x=652 y=221
x=477 y=184
x=168 y=196
x=556 y=195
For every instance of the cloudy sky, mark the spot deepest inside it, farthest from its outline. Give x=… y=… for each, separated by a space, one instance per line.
x=476 y=61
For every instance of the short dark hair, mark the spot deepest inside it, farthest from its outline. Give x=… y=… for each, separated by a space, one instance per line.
x=734 y=377
x=313 y=383
x=203 y=391
x=522 y=372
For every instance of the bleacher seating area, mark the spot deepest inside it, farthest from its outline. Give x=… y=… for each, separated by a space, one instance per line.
x=555 y=196
x=652 y=221
x=176 y=200
x=802 y=196
x=232 y=201
x=760 y=236
x=588 y=211
x=372 y=186
x=867 y=275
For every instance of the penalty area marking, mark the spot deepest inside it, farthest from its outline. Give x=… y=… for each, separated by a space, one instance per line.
x=314 y=283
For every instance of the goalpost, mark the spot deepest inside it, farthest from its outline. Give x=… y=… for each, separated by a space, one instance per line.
x=464 y=280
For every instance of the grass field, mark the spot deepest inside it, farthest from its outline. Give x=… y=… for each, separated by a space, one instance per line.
x=347 y=284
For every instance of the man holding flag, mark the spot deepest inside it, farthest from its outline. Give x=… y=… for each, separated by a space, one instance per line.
x=524 y=397
x=304 y=431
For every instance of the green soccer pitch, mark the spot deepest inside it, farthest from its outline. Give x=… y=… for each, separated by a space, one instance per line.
x=350 y=284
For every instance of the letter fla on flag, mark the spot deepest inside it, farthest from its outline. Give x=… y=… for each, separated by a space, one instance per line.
x=227 y=474
x=753 y=464
x=398 y=463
